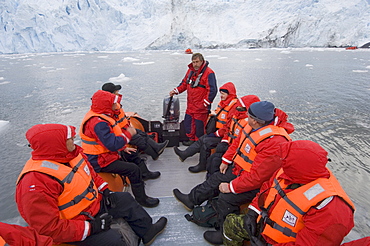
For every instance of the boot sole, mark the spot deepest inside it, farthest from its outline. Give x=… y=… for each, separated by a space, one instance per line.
x=164 y=147
x=196 y=171
x=151 y=241
x=186 y=207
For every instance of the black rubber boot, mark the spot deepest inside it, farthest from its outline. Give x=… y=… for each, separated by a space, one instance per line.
x=156 y=229
x=201 y=166
x=150 y=151
x=155 y=149
x=190 y=151
x=145 y=173
x=139 y=192
x=184 y=199
x=158 y=147
x=213 y=237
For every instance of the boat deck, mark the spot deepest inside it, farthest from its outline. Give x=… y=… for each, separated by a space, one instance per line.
x=174 y=174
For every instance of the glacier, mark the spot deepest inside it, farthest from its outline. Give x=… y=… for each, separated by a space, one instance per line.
x=36 y=26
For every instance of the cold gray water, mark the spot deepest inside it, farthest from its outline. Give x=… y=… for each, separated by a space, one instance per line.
x=324 y=91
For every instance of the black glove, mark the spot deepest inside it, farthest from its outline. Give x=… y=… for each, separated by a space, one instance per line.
x=250 y=223
x=222 y=147
x=101 y=223
x=110 y=198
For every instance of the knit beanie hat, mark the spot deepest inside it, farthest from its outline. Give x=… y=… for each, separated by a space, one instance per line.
x=262 y=111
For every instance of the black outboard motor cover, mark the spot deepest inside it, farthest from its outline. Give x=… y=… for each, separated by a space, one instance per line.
x=171 y=109
x=171 y=124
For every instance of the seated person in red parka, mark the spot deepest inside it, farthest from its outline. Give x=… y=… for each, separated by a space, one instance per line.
x=240 y=178
x=140 y=140
x=102 y=139
x=224 y=112
x=60 y=195
x=234 y=127
x=302 y=204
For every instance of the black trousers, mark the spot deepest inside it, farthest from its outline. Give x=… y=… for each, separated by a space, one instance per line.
x=126 y=208
x=129 y=169
x=140 y=139
x=227 y=202
x=215 y=160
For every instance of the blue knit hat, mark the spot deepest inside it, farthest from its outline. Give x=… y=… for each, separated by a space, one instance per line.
x=262 y=111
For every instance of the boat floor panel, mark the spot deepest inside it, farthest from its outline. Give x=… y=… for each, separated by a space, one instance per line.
x=174 y=174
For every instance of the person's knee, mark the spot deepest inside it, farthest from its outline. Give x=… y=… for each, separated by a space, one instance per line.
x=126 y=197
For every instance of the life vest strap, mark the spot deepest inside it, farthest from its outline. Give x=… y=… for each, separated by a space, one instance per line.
x=120 y=120
x=69 y=177
x=78 y=198
x=283 y=195
x=285 y=230
x=245 y=158
x=89 y=142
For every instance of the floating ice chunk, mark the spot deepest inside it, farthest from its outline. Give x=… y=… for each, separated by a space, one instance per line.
x=103 y=57
x=285 y=52
x=4 y=83
x=120 y=78
x=129 y=59
x=3 y=123
x=142 y=63
x=360 y=71
x=1 y=78
x=296 y=61
x=258 y=59
x=309 y=65
x=67 y=111
x=272 y=91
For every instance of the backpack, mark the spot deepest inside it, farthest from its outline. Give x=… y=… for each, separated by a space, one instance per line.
x=205 y=216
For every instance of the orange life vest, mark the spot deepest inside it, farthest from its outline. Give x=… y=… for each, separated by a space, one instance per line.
x=236 y=127
x=222 y=113
x=246 y=151
x=285 y=219
x=79 y=189
x=123 y=121
x=90 y=145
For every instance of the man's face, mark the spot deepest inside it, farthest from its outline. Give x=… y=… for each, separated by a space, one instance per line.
x=196 y=63
x=70 y=144
x=223 y=95
x=115 y=106
x=252 y=122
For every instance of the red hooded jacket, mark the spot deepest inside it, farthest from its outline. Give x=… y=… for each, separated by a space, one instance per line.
x=230 y=87
x=102 y=132
x=245 y=101
x=199 y=98
x=37 y=193
x=304 y=161
x=265 y=163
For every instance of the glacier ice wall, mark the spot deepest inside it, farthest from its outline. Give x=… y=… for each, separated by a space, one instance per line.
x=112 y=25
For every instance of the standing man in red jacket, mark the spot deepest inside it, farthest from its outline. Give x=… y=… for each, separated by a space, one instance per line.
x=201 y=86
